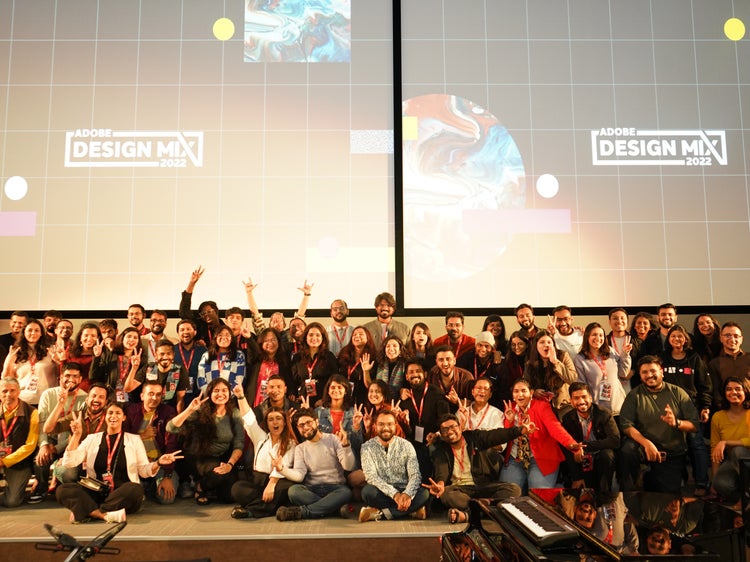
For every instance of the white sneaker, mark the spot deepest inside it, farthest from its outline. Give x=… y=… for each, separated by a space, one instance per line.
x=115 y=516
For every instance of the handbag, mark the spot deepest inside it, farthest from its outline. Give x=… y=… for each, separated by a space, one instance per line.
x=100 y=488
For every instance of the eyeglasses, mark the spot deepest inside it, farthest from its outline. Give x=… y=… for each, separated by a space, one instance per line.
x=302 y=424
x=731 y=336
x=449 y=428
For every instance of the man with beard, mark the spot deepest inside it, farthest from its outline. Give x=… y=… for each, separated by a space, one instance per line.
x=454 y=382
x=158 y=323
x=172 y=377
x=136 y=315
x=92 y=421
x=385 y=325
x=454 y=336
x=483 y=360
x=18 y=321
x=319 y=462
x=392 y=471
x=149 y=420
x=731 y=362
x=654 y=418
x=60 y=401
x=188 y=353
x=108 y=329
x=340 y=332
x=50 y=320
x=655 y=343
x=64 y=332
x=567 y=337
x=525 y=318
x=20 y=428
x=425 y=404
x=467 y=465
x=592 y=466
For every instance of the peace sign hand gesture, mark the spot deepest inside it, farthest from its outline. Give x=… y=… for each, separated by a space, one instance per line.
x=510 y=411
x=357 y=417
x=135 y=359
x=196 y=274
x=627 y=347
x=98 y=348
x=76 y=426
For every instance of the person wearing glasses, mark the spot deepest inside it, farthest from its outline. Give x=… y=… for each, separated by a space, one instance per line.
x=467 y=465
x=340 y=332
x=731 y=362
x=319 y=466
x=454 y=336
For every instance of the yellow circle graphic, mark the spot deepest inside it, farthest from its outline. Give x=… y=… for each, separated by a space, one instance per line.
x=223 y=29
x=734 y=29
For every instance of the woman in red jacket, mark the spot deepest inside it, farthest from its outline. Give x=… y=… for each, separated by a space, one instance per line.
x=533 y=461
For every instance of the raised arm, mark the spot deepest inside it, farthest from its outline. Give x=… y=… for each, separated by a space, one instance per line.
x=306 y=289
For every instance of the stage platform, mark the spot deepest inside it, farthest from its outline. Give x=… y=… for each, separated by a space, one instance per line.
x=187 y=531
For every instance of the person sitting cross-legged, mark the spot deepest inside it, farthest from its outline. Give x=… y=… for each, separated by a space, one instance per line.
x=467 y=465
x=319 y=465
x=392 y=471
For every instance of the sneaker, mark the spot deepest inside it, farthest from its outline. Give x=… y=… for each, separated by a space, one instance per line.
x=240 y=512
x=699 y=492
x=420 y=514
x=115 y=516
x=370 y=514
x=37 y=497
x=291 y=513
x=346 y=510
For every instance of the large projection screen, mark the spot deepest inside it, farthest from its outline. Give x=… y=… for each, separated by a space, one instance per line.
x=586 y=152
x=142 y=138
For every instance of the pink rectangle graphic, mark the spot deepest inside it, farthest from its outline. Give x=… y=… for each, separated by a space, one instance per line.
x=21 y=223
x=517 y=221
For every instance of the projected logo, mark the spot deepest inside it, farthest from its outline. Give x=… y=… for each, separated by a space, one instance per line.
x=106 y=148
x=635 y=147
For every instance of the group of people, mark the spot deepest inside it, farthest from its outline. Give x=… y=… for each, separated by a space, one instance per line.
x=378 y=413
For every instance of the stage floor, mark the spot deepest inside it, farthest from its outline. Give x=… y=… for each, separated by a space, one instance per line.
x=185 y=525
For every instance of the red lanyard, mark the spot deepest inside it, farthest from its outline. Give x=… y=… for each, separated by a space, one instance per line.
x=484 y=415
x=152 y=347
x=98 y=427
x=188 y=362
x=460 y=457
x=602 y=365
x=123 y=372
x=8 y=430
x=421 y=404
x=342 y=337
x=458 y=345
x=111 y=450
x=476 y=369
x=311 y=368
x=351 y=369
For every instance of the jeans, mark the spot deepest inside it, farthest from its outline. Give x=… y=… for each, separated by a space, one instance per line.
x=698 y=453
x=319 y=500
x=373 y=497
x=660 y=476
x=727 y=476
x=515 y=473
